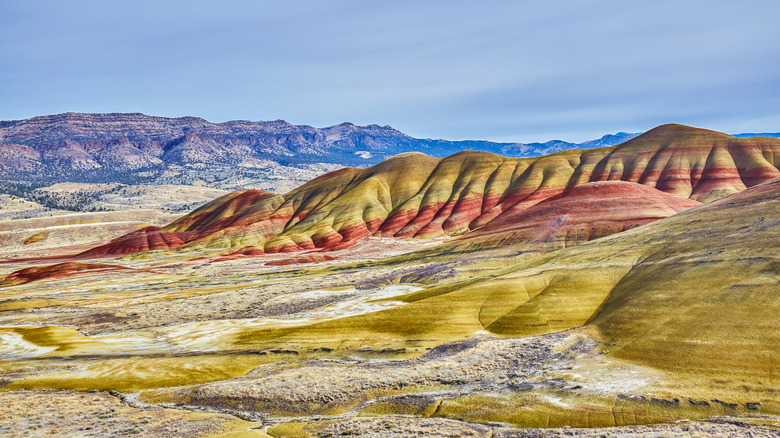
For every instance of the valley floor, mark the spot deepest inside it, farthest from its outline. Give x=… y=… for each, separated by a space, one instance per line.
x=400 y=338
x=165 y=344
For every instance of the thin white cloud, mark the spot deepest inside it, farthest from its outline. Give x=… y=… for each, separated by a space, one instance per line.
x=450 y=69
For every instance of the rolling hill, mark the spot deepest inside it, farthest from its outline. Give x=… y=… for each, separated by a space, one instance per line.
x=417 y=196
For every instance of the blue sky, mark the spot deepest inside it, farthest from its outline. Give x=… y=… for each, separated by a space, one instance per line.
x=495 y=70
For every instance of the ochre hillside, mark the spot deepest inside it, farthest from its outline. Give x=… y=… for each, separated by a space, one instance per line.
x=60 y=270
x=694 y=294
x=416 y=196
x=580 y=214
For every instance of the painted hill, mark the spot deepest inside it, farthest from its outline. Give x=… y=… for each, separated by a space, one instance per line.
x=693 y=296
x=60 y=270
x=688 y=303
x=580 y=214
x=722 y=316
x=695 y=293
x=700 y=164
x=417 y=196
x=682 y=295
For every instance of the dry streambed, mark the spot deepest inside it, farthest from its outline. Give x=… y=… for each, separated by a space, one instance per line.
x=391 y=427
x=541 y=381
x=69 y=414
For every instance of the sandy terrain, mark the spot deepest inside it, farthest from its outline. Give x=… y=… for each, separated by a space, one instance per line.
x=69 y=414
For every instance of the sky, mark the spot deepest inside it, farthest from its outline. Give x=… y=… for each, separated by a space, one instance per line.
x=491 y=70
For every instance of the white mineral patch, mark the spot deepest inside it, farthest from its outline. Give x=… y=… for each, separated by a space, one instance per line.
x=614 y=378
x=618 y=384
x=128 y=343
x=13 y=346
x=370 y=302
x=554 y=401
x=215 y=335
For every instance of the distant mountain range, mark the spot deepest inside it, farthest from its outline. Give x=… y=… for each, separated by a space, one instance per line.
x=273 y=155
x=141 y=148
x=552 y=146
x=763 y=134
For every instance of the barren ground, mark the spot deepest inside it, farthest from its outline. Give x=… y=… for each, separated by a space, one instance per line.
x=193 y=344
